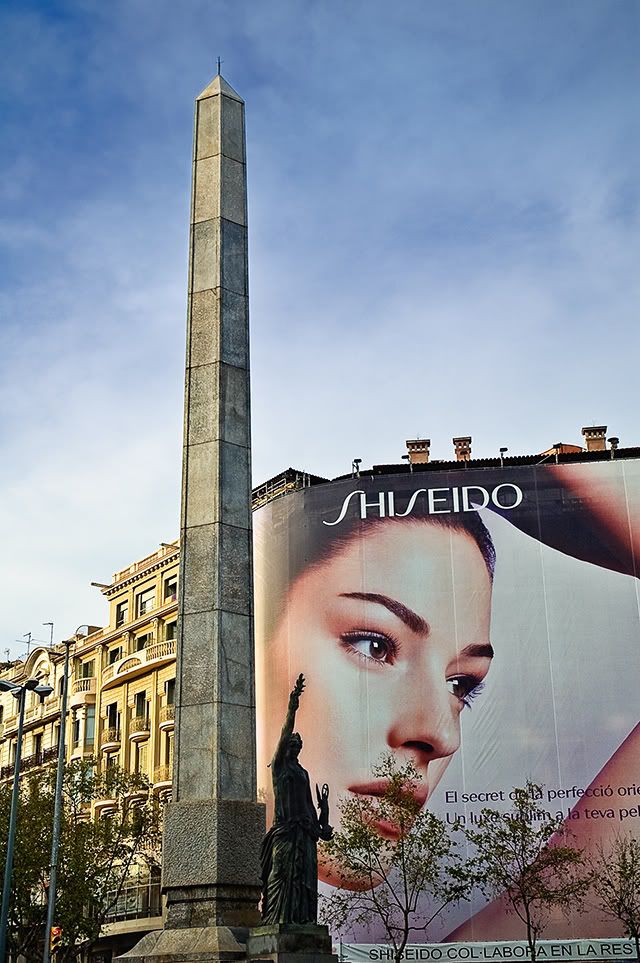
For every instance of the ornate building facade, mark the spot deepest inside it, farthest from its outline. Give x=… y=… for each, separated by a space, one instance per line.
x=120 y=705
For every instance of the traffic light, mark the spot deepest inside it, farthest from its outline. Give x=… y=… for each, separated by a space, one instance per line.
x=55 y=939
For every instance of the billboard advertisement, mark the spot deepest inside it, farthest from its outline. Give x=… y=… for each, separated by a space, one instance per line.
x=484 y=623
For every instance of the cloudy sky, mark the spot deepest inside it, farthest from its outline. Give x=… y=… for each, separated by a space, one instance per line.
x=444 y=217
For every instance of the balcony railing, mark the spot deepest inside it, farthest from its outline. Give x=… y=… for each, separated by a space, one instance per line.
x=161 y=650
x=138 y=899
x=136 y=662
x=84 y=685
x=110 y=736
x=139 y=727
x=163 y=774
x=51 y=704
x=162 y=552
x=167 y=716
x=31 y=762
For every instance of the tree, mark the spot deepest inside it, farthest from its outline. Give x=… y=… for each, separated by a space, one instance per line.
x=97 y=856
x=392 y=861
x=616 y=883
x=523 y=856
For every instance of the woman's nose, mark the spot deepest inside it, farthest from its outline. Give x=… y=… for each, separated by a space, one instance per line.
x=425 y=724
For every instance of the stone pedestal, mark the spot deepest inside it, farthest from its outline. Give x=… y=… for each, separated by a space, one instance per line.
x=197 y=944
x=290 y=943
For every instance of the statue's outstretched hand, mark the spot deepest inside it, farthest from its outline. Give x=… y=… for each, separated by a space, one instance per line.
x=296 y=692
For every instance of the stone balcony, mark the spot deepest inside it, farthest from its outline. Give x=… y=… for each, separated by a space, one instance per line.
x=153 y=657
x=162 y=777
x=110 y=739
x=10 y=725
x=37 y=713
x=139 y=728
x=167 y=719
x=104 y=807
x=83 y=692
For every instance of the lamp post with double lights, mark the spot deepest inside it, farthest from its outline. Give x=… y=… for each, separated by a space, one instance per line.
x=19 y=692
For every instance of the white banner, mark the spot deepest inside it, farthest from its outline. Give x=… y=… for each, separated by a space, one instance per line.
x=614 y=949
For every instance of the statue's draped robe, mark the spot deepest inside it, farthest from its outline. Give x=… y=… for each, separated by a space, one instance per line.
x=288 y=859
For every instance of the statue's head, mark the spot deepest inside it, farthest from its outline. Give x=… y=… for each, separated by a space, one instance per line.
x=295 y=745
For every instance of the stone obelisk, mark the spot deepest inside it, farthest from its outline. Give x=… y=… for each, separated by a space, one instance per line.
x=214 y=825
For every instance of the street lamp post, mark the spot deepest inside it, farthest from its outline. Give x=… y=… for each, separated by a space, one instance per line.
x=57 y=812
x=19 y=692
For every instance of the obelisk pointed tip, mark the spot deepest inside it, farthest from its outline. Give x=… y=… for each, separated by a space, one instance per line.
x=220 y=86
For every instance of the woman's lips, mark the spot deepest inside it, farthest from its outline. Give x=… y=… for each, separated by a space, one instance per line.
x=376 y=789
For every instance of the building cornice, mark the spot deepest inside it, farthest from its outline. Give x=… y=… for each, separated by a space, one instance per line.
x=124 y=578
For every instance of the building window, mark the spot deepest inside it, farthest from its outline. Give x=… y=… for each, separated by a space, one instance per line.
x=170 y=691
x=141 y=705
x=37 y=744
x=61 y=686
x=122 y=611
x=87 y=669
x=170 y=630
x=142 y=641
x=111 y=760
x=56 y=735
x=89 y=726
x=168 y=749
x=1 y=714
x=75 y=729
x=171 y=588
x=113 y=716
x=140 y=760
x=115 y=654
x=145 y=601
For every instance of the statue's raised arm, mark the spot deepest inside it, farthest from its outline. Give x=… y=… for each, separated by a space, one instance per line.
x=289 y=722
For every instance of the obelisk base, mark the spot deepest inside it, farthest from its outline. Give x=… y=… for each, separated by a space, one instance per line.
x=290 y=943
x=207 y=921
x=199 y=944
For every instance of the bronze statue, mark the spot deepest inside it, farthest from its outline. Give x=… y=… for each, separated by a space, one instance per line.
x=289 y=859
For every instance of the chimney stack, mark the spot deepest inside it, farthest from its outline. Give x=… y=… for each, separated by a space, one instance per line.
x=418 y=450
x=462 y=448
x=595 y=438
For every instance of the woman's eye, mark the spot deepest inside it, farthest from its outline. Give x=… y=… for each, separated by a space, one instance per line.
x=465 y=687
x=372 y=646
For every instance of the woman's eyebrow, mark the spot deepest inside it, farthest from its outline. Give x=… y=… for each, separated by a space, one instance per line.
x=482 y=650
x=410 y=618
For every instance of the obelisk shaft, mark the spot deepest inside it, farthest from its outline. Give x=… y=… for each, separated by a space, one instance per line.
x=214 y=825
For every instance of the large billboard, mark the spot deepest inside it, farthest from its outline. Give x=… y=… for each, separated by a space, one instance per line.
x=483 y=622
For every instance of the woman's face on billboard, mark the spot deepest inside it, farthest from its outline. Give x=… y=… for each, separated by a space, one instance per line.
x=392 y=635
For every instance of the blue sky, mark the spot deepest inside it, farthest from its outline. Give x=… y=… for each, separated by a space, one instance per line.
x=444 y=220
